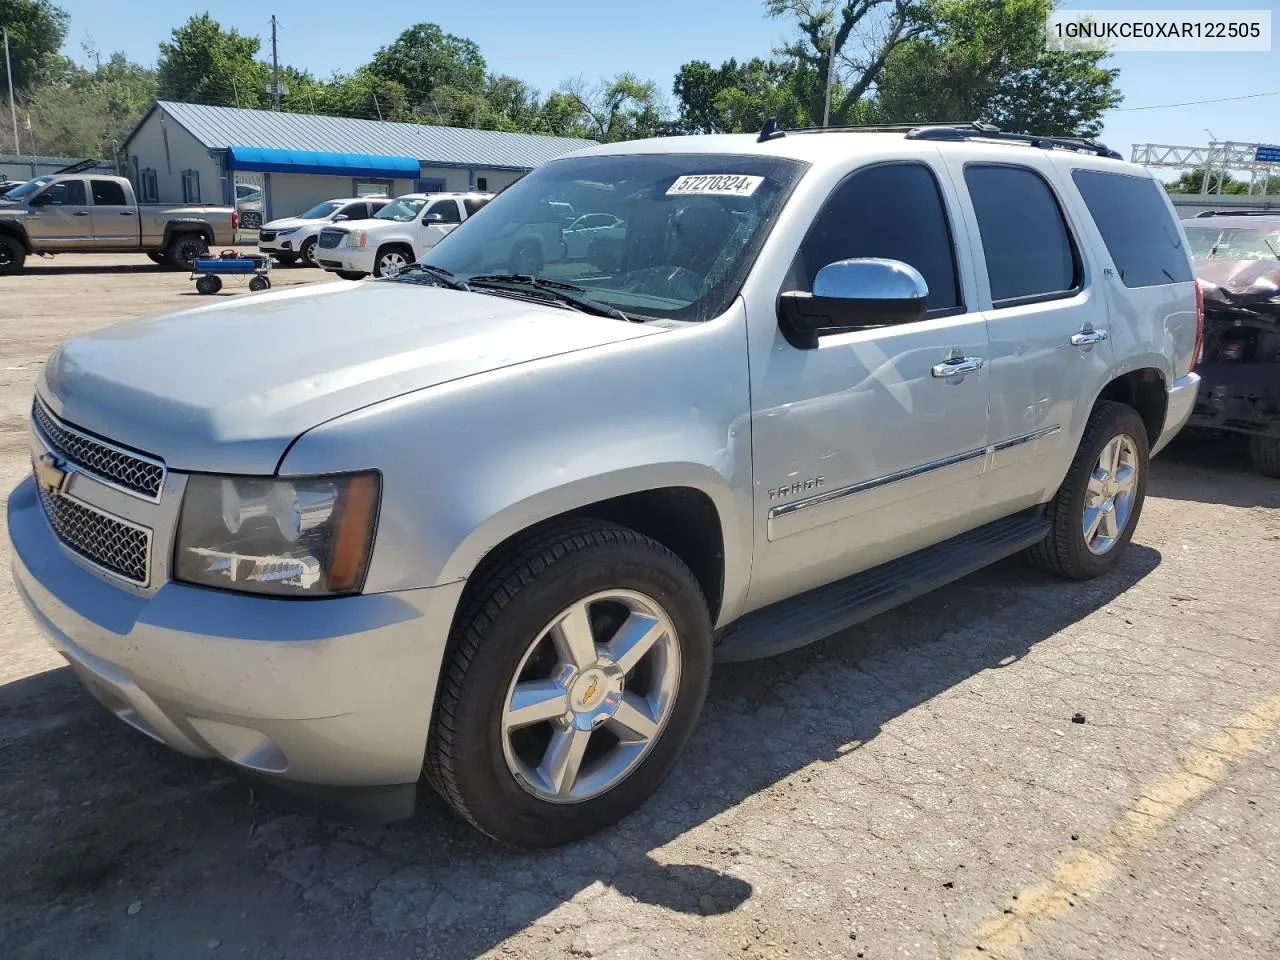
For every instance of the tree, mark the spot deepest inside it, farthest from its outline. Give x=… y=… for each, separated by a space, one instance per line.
x=36 y=31
x=624 y=108
x=736 y=98
x=1190 y=181
x=206 y=64
x=90 y=112
x=986 y=60
x=425 y=58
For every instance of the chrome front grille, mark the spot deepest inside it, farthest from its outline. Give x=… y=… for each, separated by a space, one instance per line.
x=330 y=238
x=122 y=548
x=134 y=472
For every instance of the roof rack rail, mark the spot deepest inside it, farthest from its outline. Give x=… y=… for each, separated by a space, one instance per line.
x=1237 y=213
x=890 y=127
x=988 y=132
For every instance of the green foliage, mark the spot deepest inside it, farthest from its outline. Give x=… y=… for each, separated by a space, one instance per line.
x=424 y=58
x=36 y=31
x=1190 y=181
x=734 y=98
x=206 y=64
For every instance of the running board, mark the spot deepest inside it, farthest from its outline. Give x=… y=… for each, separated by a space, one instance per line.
x=819 y=613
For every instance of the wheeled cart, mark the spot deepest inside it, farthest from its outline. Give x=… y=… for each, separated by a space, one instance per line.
x=209 y=271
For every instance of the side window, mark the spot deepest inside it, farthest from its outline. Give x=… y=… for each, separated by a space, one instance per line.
x=150 y=186
x=894 y=211
x=190 y=186
x=107 y=193
x=355 y=211
x=448 y=210
x=1136 y=226
x=1024 y=236
x=66 y=193
x=473 y=204
x=376 y=205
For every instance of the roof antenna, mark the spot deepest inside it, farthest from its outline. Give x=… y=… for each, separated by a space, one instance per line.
x=770 y=131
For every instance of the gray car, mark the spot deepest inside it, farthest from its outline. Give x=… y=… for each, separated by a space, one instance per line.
x=490 y=530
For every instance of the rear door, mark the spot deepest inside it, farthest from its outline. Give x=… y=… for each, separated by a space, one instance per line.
x=115 y=220
x=1046 y=317
x=64 y=220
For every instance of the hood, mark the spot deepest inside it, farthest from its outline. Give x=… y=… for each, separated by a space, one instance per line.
x=228 y=386
x=286 y=222
x=370 y=224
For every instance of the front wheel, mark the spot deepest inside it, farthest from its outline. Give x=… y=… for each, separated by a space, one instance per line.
x=392 y=262
x=351 y=274
x=1093 y=514
x=12 y=255
x=576 y=675
x=1264 y=454
x=309 y=252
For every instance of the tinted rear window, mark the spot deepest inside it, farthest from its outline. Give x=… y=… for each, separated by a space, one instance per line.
x=1024 y=236
x=1136 y=226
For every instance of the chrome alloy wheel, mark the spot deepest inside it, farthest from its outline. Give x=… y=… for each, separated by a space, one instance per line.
x=591 y=696
x=392 y=264
x=1108 y=501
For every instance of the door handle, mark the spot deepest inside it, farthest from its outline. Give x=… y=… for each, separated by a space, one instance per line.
x=126 y=213
x=958 y=367
x=1087 y=338
x=81 y=213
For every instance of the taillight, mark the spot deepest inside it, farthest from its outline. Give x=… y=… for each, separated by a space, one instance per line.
x=235 y=223
x=1197 y=352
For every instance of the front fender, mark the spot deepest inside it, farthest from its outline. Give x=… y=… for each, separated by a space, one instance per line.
x=469 y=463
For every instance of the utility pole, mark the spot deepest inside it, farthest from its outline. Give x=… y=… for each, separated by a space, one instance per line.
x=8 y=65
x=275 y=67
x=831 y=63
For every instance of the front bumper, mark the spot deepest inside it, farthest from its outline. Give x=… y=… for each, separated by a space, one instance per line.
x=317 y=695
x=289 y=244
x=1181 y=401
x=353 y=259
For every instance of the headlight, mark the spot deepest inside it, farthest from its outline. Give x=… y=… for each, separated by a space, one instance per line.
x=286 y=232
x=307 y=537
x=355 y=238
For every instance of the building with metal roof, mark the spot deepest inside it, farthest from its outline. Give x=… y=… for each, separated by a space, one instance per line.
x=279 y=164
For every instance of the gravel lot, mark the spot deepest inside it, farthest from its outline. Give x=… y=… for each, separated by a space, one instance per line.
x=913 y=788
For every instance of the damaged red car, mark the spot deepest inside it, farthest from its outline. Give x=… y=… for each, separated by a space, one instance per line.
x=1237 y=261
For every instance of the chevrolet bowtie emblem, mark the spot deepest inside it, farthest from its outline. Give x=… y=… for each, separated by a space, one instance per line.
x=50 y=472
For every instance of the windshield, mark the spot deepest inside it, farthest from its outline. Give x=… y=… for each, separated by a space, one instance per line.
x=658 y=235
x=321 y=210
x=401 y=211
x=1234 y=243
x=25 y=190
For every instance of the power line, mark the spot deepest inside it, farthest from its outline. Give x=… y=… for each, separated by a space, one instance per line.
x=1193 y=103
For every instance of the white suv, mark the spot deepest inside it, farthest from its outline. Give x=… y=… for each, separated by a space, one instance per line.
x=294 y=238
x=402 y=231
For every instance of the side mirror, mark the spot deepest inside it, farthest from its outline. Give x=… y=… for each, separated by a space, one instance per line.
x=341 y=216
x=433 y=218
x=853 y=295
x=42 y=199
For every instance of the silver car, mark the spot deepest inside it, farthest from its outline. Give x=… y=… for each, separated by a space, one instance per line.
x=491 y=529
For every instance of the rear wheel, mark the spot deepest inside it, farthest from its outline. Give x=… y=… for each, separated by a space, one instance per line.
x=1094 y=513
x=576 y=674
x=392 y=261
x=184 y=249
x=12 y=255
x=1264 y=454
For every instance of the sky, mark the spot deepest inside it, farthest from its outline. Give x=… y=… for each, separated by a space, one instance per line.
x=552 y=41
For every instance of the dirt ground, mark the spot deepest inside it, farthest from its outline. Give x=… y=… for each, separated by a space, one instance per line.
x=914 y=788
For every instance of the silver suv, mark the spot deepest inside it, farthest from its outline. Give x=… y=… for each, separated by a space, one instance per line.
x=492 y=529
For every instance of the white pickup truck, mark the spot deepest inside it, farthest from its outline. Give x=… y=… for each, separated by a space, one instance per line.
x=492 y=528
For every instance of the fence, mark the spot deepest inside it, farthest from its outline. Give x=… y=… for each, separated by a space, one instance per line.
x=24 y=168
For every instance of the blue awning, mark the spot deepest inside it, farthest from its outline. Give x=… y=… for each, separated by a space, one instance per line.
x=268 y=160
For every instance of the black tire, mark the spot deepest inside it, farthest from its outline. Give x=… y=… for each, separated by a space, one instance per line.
x=259 y=283
x=1064 y=551
x=160 y=258
x=382 y=267
x=351 y=274
x=1264 y=454
x=286 y=259
x=524 y=590
x=184 y=249
x=208 y=285
x=308 y=252
x=12 y=255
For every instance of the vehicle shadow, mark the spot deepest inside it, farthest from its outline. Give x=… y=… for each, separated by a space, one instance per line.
x=93 y=815
x=36 y=266
x=1206 y=470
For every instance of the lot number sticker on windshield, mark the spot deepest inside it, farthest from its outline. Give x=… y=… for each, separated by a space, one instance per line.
x=714 y=185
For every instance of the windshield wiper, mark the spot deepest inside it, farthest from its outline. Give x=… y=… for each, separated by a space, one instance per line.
x=566 y=293
x=438 y=276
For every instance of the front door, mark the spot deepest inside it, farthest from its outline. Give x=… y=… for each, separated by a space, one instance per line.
x=863 y=448
x=433 y=230
x=115 y=221
x=60 y=217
